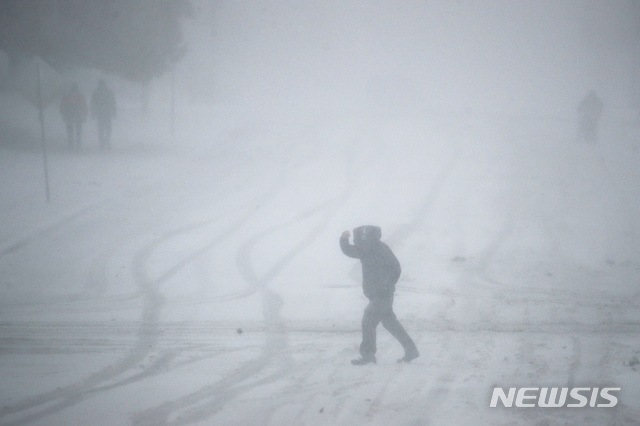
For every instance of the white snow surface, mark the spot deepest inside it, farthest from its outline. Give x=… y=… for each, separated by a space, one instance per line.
x=181 y=282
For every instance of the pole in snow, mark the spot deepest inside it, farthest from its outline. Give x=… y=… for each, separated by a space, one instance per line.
x=44 y=143
x=173 y=100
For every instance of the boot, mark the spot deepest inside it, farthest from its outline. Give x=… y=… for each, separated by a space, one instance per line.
x=410 y=355
x=364 y=360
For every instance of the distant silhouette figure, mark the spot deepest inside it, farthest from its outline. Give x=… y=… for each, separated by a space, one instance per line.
x=589 y=114
x=103 y=110
x=73 y=108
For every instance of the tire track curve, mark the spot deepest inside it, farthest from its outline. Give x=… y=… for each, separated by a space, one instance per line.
x=43 y=405
x=274 y=361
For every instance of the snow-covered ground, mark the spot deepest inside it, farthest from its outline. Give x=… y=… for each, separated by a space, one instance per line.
x=201 y=282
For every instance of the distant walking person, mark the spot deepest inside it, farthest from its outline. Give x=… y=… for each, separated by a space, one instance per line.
x=380 y=272
x=103 y=110
x=73 y=109
x=589 y=113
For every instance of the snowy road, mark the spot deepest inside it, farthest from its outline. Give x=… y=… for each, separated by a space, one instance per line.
x=173 y=288
x=207 y=373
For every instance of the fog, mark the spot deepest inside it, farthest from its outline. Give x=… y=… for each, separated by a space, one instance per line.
x=530 y=57
x=191 y=273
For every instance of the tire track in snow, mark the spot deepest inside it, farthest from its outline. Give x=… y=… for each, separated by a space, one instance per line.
x=201 y=405
x=204 y=403
x=599 y=368
x=46 y=404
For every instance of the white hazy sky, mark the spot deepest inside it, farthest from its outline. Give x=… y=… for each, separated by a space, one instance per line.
x=520 y=57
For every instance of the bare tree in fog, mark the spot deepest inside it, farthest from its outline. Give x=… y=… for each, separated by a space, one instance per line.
x=137 y=40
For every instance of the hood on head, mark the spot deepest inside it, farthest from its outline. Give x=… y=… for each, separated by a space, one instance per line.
x=366 y=234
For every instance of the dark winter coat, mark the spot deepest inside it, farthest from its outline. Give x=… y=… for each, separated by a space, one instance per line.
x=591 y=107
x=380 y=267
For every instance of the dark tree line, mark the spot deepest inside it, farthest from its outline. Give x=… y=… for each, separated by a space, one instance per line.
x=137 y=40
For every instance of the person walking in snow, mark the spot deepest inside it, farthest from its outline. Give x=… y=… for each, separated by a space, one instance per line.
x=73 y=108
x=103 y=110
x=589 y=113
x=380 y=272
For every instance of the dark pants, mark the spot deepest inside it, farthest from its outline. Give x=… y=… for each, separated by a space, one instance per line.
x=380 y=310
x=104 y=133
x=588 y=130
x=74 y=134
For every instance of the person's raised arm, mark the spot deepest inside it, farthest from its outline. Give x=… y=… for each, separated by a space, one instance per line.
x=347 y=248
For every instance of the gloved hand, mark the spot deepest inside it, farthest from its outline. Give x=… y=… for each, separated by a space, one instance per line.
x=346 y=234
